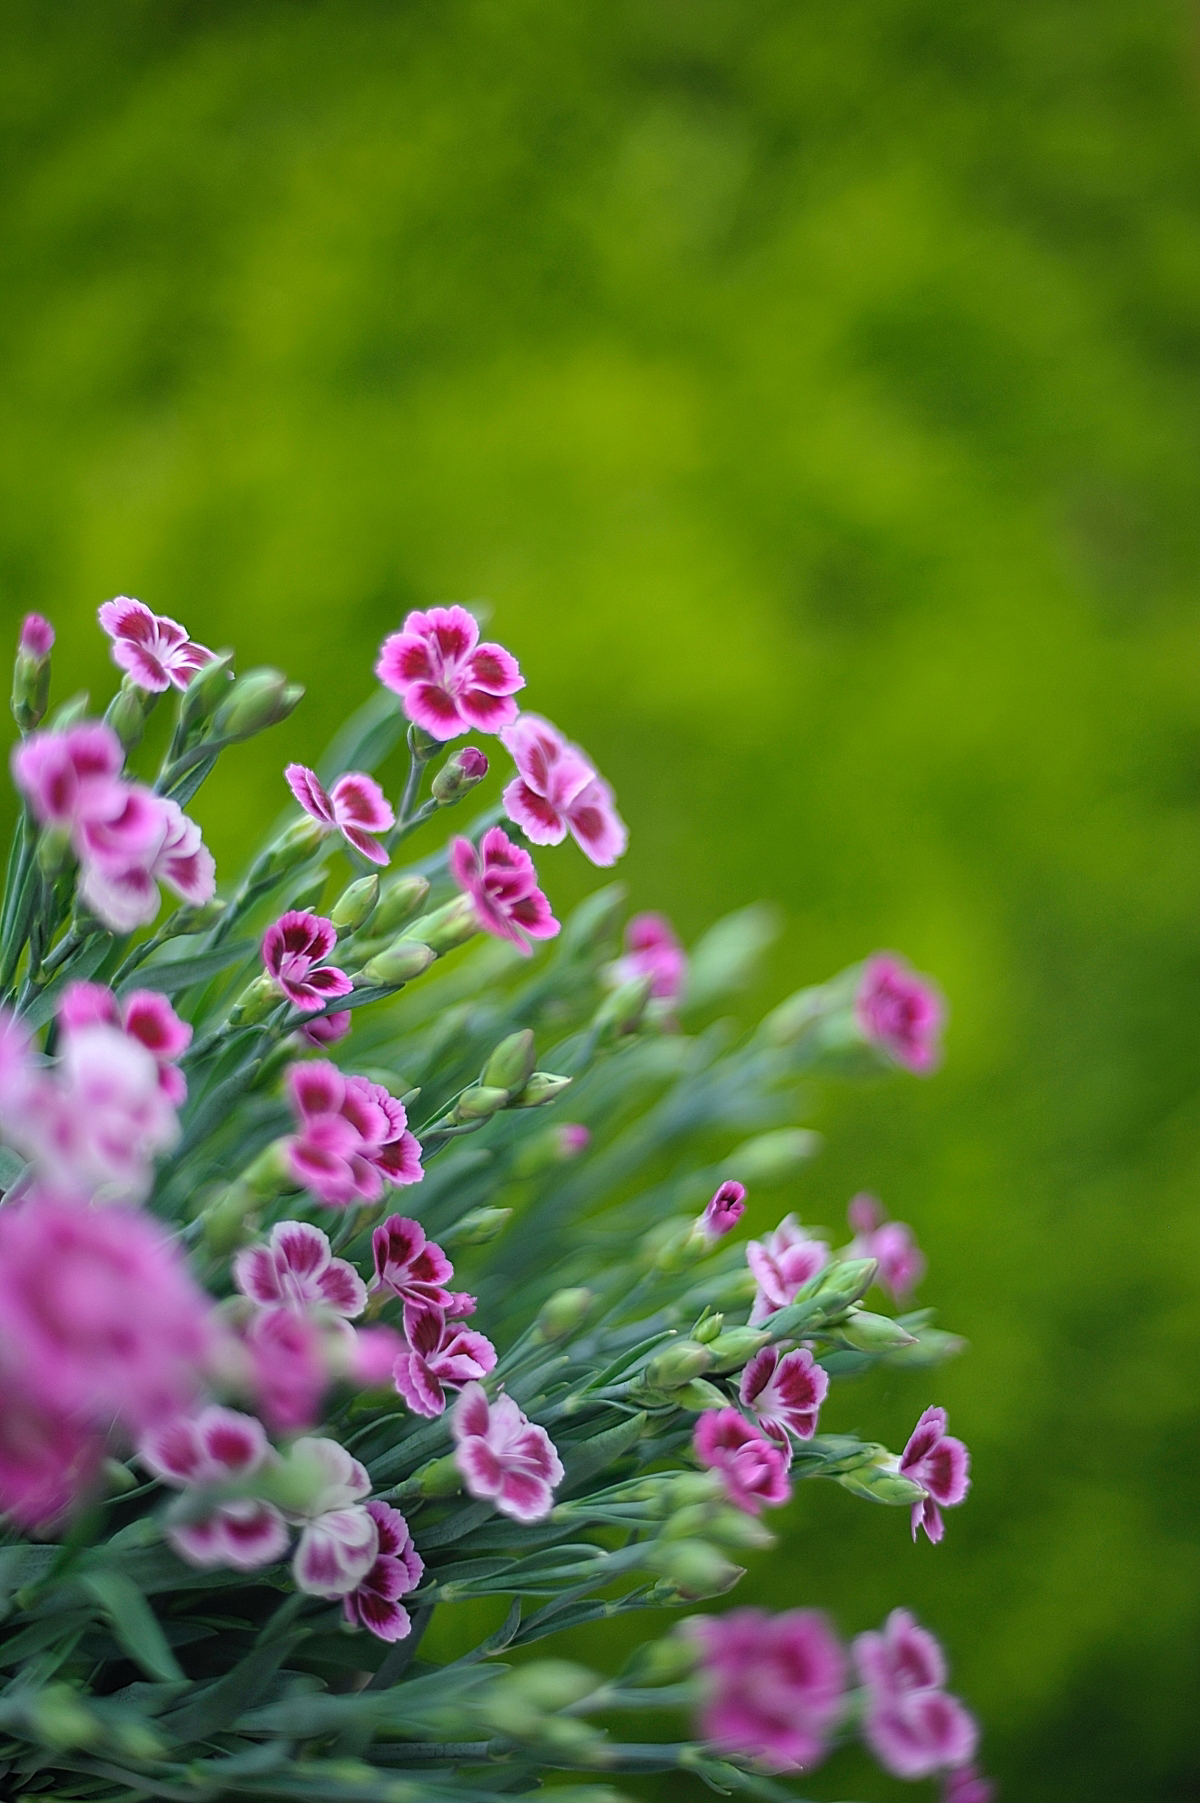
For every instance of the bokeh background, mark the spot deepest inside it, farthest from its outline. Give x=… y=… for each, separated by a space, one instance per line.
x=812 y=388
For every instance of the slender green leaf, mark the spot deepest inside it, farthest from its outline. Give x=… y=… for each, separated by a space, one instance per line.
x=133 y=1622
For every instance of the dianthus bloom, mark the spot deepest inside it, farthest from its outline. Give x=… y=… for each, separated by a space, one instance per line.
x=353 y=1136
x=339 y=1539
x=725 y=1210
x=45 y=1460
x=940 y=1464
x=398 y=1566
x=218 y=1447
x=439 y=1355
x=752 y=1468
x=503 y=886
x=155 y=651
x=911 y=1725
x=774 y=1684
x=966 y=1784
x=326 y=1029
x=37 y=637
x=503 y=1456
x=146 y=1016
x=900 y=1012
x=356 y=807
x=556 y=791
x=296 y=1269
x=415 y=1269
x=785 y=1391
x=890 y=1243
x=782 y=1262
x=295 y=948
x=653 y=950
x=447 y=681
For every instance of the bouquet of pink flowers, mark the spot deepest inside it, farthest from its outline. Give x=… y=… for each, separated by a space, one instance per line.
x=314 y=1314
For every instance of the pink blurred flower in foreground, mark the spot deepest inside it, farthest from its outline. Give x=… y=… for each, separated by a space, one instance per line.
x=356 y=807
x=725 y=1210
x=752 y=1467
x=398 y=1566
x=218 y=1446
x=155 y=651
x=890 y=1243
x=782 y=1262
x=652 y=950
x=503 y=886
x=71 y=777
x=36 y=638
x=440 y=1355
x=900 y=1012
x=339 y=1539
x=93 y=1126
x=296 y=1269
x=785 y=1391
x=295 y=948
x=123 y=860
x=940 y=1464
x=415 y=1269
x=353 y=1136
x=326 y=1029
x=774 y=1684
x=557 y=790
x=967 y=1784
x=911 y=1725
x=45 y=1460
x=448 y=681
x=504 y=1457
x=146 y=1016
x=289 y=1367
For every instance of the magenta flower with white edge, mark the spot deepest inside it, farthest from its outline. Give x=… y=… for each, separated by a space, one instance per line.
x=503 y=886
x=375 y=1604
x=557 y=791
x=447 y=681
x=123 y=860
x=155 y=651
x=93 y=1126
x=786 y=1391
x=890 y=1243
x=295 y=948
x=940 y=1464
x=782 y=1262
x=296 y=1269
x=504 y=1457
x=653 y=950
x=440 y=1355
x=218 y=1446
x=356 y=807
x=354 y=1137
x=71 y=777
x=415 y=1269
x=774 y=1684
x=752 y=1467
x=900 y=1013
x=725 y=1209
x=339 y=1540
x=913 y=1727
x=146 y=1015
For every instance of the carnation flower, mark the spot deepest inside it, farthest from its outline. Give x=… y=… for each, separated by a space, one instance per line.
x=123 y=859
x=440 y=1355
x=504 y=1457
x=218 y=1446
x=652 y=950
x=911 y=1725
x=415 y=1269
x=752 y=1468
x=724 y=1210
x=900 y=1012
x=782 y=1262
x=326 y=1029
x=296 y=1269
x=556 y=791
x=774 y=1684
x=448 y=681
x=785 y=1391
x=71 y=777
x=155 y=651
x=36 y=638
x=353 y=1137
x=46 y=1461
x=339 y=1539
x=294 y=952
x=145 y=1015
x=503 y=886
x=356 y=807
x=890 y=1243
x=289 y=1367
x=940 y=1464
x=397 y=1569
x=966 y=1784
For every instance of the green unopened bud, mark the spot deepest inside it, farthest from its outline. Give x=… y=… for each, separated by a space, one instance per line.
x=53 y=850
x=666 y=1661
x=57 y=1718
x=400 y=963
x=399 y=899
x=69 y=712
x=256 y=1001
x=446 y=927
x=547 y=1685
x=118 y=1479
x=680 y=1362
x=694 y=1568
x=458 y=776
x=296 y=843
x=269 y=1172
x=706 y=1331
x=478 y=1227
x=479 y=1103
x=563 y=1312
x=227 y=1215
x=874 y=1333
x=31 y=672
x=700 y=1395
x=259 y=699
x=841 y=1284
x=137 y=1740
x=355 y=905
x=441 y=1477
x=206 y=690
x=687 y=1487
x=881 y=1484
x=542 y=1087
x=724 y=1526
x=732 y=1348
x=192 y=920
x=511 y=1063
x=771 y=1157
x=621 y=1012
x=128 y=711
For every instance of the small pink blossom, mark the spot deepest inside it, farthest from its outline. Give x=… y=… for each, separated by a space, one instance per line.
x=782 y=1262
x=145 y=1015
x=940 y=1464
x=652 y=950
x=967 y=1784
x=502 y=884
x=440 y=1355
x=890 y=1243
x=123 y=859
x=725 y=1210
x=155 y=651
x=415 y=1269
x=752 y=1467
x=46 y=1461
x=774 y=1684
x=557 y=790
x=294 y=952
x=289 y=1367
x=503 y=1456
x=785 y=1391
x=573 y=1138
x=296 y=1269
x=356 y=807
x=326 y=1029
x=911 y=1725
x=71 y=777
x=900 y=1012
x=37 y=637
x=353 y=1139
x=448 y=681
x=219 y=1446
x=398 y=1566
x=339 y=1540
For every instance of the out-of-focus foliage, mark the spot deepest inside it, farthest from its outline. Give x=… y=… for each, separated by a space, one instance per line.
x=813 y=389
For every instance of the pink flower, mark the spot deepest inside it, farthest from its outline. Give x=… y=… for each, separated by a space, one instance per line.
x=294 y=951
x=71 y=777
x=46 y=1461
x=966 y=1784
x=339 y=1541
x=296 y=1269
x=940 y=1464
x=725 y=1210
x=356 y=807
x=99 y=1317
x=652 y=950
x=504 y=1458
x=155 y=651
x=146 y=1015
x=37 y=637
x=783 y=1262
x=785 y=1392
x=397 y=1570
x=123 y=859
x=775 y=1684
x=556 y=791
x=218 y=1446
x=752 y=1468
x=900 y=1012
x=911 y=1725
x=289 y=1366
x=447 y=681
x=441 y=1355
x=353 y=1136
x=415 y=1269
x=890 y=1243
x=502 y=884
x=326 y=1029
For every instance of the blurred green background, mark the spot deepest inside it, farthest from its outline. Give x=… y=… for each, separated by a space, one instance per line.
x=813 y=389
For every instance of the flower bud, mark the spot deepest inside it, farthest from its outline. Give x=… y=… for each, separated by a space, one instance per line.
x=542 y=1087
x=547 y=1685
x=257 y=700
x=693 y=1568
x=458 y=775
x=880 y=1483
x=206 y=690
x=724 y=1526
x=772 y=1157
x=479 y=1103
x=400 y=963
x=841 y=1284
x=681 y=1361
x=398 y=900
x=700 y=1395
x=874 y=1333
x=31 y=672
x=226 y=1216
x=563 y=1312
x=666 y=1661
x=511 y=1064
x=53 y=850
x=128 y=711
x=56 y=1717
x=557 y=1145
x=69 y=712
x=446 y=927
x=621 y=1012
x=708 y=1329
x=294 y=844
x=354 y=906
x=478 y=1227
x=269 y=1172
x=687 y=1487
x=441 y=1477
x=731 y=1349
x=255 y=1002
